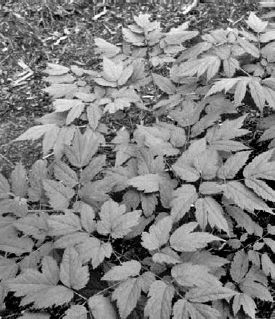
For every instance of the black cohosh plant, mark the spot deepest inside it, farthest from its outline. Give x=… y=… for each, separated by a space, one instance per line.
x=172 y=222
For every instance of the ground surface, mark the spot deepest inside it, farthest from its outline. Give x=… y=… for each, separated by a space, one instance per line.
x=33 y=32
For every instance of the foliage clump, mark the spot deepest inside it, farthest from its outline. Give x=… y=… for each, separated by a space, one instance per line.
x=167 y=212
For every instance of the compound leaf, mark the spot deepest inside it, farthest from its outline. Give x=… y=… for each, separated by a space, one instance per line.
x=246 y=302
x=208 y=210
x=190 y=275
x=239 y=266
x=243 y=197
x=127 y=295
x=76 y=312
x=58 y=194
x=158 y=234
x=19 y=182
x=148 y=183
x=233 y=164
x=63 y=224
x=115 y=221
x=65 y=174
x=182 y=199
x=183 y=309
x=124 y=271
x=95 y=250
x=184 y=240
x=72 y=273
x=160 y=300
x=40 y=288
x=101 y=307
x=205 y=294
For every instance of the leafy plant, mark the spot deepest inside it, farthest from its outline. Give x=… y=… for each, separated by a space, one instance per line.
x=171 y=224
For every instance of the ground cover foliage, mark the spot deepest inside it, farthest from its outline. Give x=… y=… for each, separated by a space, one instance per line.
x=160 y=219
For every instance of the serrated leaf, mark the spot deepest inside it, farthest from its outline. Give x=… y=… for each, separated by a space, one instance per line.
x=94 y=250
x=255 y=23
x=83 y=148
x=268 y=266
x=133 y=38
x=222 y=85
x=240 y=92
x=49 y=139
x=65 y=174
x=111 y=70
x=232 y=165
x=87 y=216
x=270 y=243
x=228 y=146
x=258 y=94
x=249 y=47
x=71 y=239
x=105 y=48
x=261 y=167
x=204 y=258
x=184 y=240
x=115 y=221
x=101 y=307
x=63 y=224
x=209 y=64
x=124 y=271
x=205 y=294
x=74 y=113
x=40 y=288
x=19 y=182
x=243 y=197
x=127 y=295
x=156 y=139
x=228 y=130
x=183 y=309
x=148 y=183
x=255 y=290
x=239 y=266
x=72 y=273
x=160 y=298
x=190 y=275
x=164 y=84
x=8 y=268
x=60 y=90
x=208 y=210
x=158 y=234
x=76 y=312
x=4 y=187
x=63 y=105
x=58 y=194
x=33 y=258
x=35 y=132
x=167 y=256
x=65 y=136
x=33 y=225
x=15 y=245
x=94 y=114
x=244 y=220
x=210 y=188
x=261 y=188
x=246 y=302
x=183 y=198
x=92 y=169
